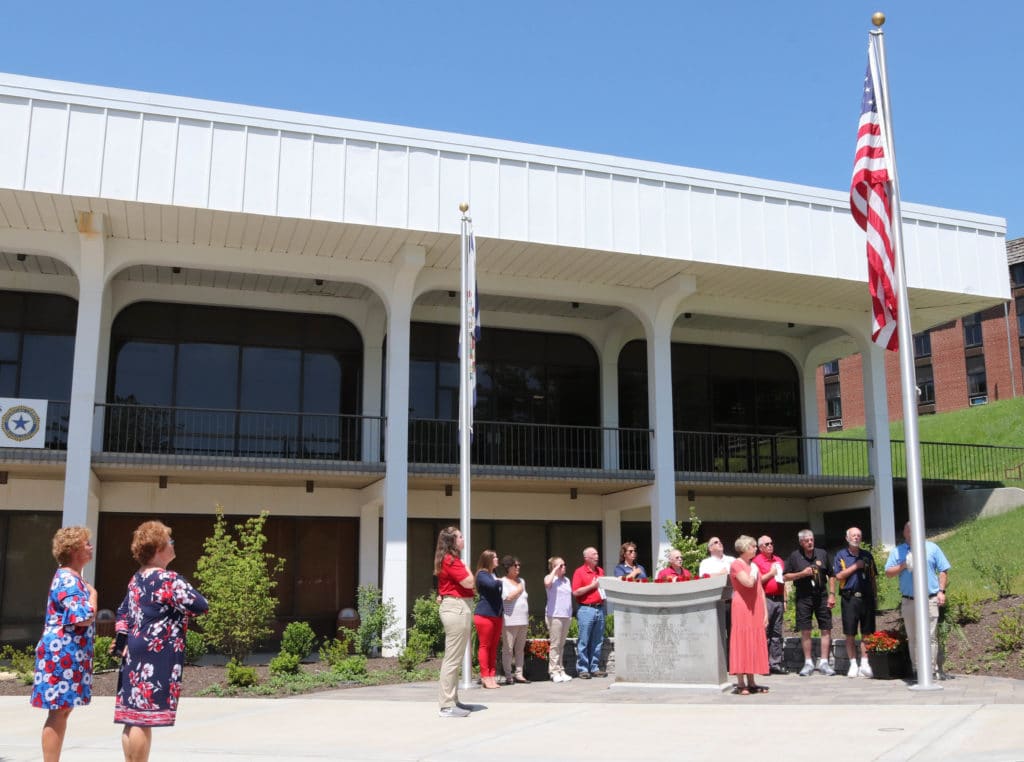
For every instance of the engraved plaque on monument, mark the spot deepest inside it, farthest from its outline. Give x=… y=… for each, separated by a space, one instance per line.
x=671 y=633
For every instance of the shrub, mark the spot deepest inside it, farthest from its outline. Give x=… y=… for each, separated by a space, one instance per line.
x=241 y=676
x=335 y=651
x=574 y=628
x=609 y=626
x=195 y=647
x=426 y=618
x=298 y=639
x=416 y=651
x=962 y=609
x=1009 y=632
x=687 y=543
x=285 y=664
x=22 y=662
x=377 y=620
x=102 y=660
x=351 y=668
x=1000 y=574
x=237 y=578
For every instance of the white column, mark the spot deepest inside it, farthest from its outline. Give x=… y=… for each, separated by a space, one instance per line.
x=809 y=395
x=612 y=530
x=373 y=370
x=610 y=402
x=408 y=264
x=659 y=391
x=79 y=509
x=876 y=417
x=369 y=544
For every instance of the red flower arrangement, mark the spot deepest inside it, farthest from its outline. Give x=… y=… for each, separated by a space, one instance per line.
x=883 y=641
x=624 y=578
x=539 y=648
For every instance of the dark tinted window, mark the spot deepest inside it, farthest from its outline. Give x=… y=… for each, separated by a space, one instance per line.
x=37 y=345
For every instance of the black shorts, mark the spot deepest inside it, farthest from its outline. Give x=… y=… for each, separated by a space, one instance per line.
x=816 y=605
x=858 y=612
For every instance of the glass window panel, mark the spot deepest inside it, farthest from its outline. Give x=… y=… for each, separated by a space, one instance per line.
x=207 y=376
x=12 y=308
x=422 y=389
x=972 y=330
x=145 y=371
x=28 y=570
x=270 y=379
x=526 y=541
x=10 y=342
x=321 y=382
x=46 y=366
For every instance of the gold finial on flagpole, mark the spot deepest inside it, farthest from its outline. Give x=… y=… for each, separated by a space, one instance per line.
x=463 y=207
x=878 y=18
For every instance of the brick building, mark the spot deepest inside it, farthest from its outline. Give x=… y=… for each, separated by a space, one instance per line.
x=970 y=361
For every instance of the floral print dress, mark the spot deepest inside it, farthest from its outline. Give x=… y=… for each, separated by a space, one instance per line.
x=154 y=617
x=63 y=675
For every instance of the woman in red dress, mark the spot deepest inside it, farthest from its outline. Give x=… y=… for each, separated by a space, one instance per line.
x=748 y=646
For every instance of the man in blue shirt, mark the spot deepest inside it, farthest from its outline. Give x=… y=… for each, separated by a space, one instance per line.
x=902 y=563
x=855 y=572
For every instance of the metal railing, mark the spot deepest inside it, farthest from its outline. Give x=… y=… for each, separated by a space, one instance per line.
x=215 y=432
x=950 y=462
x=532 y=445
x=740 y=453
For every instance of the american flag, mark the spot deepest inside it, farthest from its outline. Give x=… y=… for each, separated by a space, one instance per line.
x=472 y=307
x=869 y=203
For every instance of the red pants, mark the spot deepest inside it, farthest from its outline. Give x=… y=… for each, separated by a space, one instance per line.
x=488 y=632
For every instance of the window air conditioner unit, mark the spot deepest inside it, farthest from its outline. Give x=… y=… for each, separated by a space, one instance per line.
x=834 y=424
x=979 y=400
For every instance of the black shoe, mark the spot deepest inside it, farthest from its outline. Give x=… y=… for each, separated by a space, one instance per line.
x=584 y=676
x=777 y=670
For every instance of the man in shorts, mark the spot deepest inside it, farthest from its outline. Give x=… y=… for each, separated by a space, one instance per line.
x=855 y=572
x=810 y=572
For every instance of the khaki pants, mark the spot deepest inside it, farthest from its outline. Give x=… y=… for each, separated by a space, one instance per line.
x=514 y=646
x=558 y=628
x=457 y=618
x=910 y=620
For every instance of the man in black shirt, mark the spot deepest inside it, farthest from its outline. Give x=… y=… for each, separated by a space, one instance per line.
x=810 y=571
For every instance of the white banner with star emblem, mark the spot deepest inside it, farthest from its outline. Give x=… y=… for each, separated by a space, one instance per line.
x=22 y=423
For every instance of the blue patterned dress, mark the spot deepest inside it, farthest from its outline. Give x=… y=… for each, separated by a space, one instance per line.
x=63 y=676
x=154 y=616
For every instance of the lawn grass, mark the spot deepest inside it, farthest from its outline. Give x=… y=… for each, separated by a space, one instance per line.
x=986 y=543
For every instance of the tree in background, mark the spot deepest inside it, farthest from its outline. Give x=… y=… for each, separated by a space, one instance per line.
x=238 y=579
x=686 y=542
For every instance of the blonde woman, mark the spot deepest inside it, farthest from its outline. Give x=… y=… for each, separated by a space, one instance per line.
x=557 y=615
x=748 y=645
x=63 y=676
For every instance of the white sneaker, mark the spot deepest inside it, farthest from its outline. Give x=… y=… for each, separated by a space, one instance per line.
x=865 y=670
x=825 y=669
x=453 y=711
x=807 y=669
x=853 y=671
x=565 y=678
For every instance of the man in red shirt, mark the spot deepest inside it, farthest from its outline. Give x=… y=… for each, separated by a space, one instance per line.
x=587 y=591
x=770 y=567
x=674 y=572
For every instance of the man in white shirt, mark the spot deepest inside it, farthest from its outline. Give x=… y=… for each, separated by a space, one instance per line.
x=716 y=562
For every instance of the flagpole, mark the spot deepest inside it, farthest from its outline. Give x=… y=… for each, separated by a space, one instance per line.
x=465 y=408
x=908 y=385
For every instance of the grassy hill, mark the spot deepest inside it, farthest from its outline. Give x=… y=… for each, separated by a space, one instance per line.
x=997 y=423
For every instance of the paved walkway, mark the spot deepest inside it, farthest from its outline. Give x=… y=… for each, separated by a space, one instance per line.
x=972 y=718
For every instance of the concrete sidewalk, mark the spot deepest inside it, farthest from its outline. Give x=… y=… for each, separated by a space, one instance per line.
x=973 y=718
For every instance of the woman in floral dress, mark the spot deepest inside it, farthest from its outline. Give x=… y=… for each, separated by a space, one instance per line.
x=63 y=676
x=151 y=625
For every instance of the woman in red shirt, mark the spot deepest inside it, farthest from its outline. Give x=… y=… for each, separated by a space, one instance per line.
x=455 y=586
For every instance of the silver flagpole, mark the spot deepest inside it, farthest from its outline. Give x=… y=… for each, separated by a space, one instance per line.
x=465 y=406
x=915 y=496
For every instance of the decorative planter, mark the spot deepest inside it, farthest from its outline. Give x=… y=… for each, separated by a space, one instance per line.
x=534 y=669
x=889 y=666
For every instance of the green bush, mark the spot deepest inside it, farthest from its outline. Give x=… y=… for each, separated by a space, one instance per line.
x=351 y=668
x=237 y=578
x=195 y=647
x=574 y=628
x=426 y=618
x=285 y=664
x=101 y=657
x=298 y=639
x=377 y=620
x=416 y=651
x=962 y=609
x=609 y=626
x=335 y=651
x=999 y=573
x=686 y=542
x=22 y=662
x=241 y=676
x=1009 y=632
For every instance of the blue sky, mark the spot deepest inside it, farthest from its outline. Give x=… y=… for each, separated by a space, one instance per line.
x=757 y=88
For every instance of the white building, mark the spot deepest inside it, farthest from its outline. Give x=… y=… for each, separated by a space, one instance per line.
x=256 y=308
